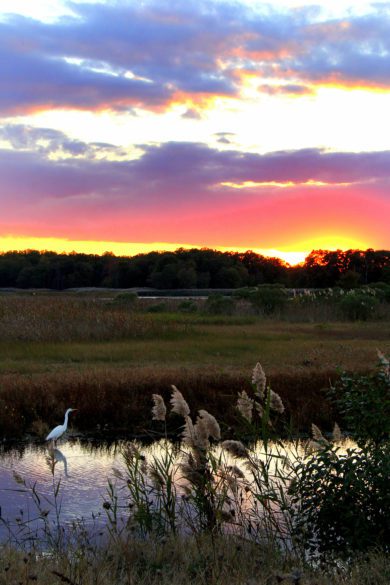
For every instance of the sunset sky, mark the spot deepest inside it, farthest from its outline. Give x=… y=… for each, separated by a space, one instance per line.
x=131 y=125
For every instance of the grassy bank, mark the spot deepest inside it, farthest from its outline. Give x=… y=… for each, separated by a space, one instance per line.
x=218 y=560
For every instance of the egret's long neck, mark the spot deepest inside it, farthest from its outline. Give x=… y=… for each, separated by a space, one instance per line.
x=66 y=419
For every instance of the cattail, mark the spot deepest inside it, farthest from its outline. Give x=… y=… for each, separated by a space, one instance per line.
x=259 y=379
x=211 y=424
x=159 y=410
x=179 y=405
x=336 y=434
x=276 y=403
x=245 y=405
x=235 y=448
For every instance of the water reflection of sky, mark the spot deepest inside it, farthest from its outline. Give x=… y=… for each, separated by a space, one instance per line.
x=83 y=469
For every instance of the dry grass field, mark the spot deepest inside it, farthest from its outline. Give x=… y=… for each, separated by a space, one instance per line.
x=106 y=359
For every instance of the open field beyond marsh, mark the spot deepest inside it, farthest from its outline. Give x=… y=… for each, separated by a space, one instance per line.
x=107 y=360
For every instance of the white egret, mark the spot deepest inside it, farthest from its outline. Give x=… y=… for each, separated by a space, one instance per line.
x=60 y=429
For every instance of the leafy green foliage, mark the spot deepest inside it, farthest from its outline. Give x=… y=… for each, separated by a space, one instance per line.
x=364 y=403
x=219 y=305
x=358 y=306
x=342 y=501
x=268 y=299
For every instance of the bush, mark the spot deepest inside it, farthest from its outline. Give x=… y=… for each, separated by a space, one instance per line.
x=358 y=306
x=187 y=306
x=219 y=305
x=382 y=290
x=268 y=299
x=342 y=501
x=129 y=299
x=364 y=403
x=157 y=308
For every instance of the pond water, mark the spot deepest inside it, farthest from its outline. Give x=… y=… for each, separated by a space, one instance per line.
x=30 y=473
x=83 y=469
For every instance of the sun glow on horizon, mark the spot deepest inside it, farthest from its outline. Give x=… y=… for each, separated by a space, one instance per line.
x=292 y=255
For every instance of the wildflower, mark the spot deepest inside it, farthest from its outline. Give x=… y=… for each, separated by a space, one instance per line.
x=235 y=448
x=179 y=405
x=159 y=410
x=276 y=403
x=336 y=434
x=259 y=379
x=245 y=405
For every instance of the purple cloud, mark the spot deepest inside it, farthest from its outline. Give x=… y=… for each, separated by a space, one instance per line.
x=124 y=55
x=171 y=174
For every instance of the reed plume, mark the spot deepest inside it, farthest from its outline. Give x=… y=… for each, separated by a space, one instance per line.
x=276 y=403
x=259 y=379
x=235 y=448
x=179 y=405
x=245 y=405
x=159 y=410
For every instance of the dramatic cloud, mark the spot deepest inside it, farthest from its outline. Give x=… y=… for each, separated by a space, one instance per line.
x=148 y=55
x=183 y=191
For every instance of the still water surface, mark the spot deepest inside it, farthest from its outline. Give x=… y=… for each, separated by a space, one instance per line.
x=82 y=467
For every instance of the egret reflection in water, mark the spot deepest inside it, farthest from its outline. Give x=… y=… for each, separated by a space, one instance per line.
x=55 y=456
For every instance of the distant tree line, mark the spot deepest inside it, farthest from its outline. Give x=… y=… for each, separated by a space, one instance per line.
x=195 y=268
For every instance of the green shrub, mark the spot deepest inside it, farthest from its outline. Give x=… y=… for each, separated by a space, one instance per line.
x=358 y=306
x=157 y=308
x=126 y=298
x=382 y=290
x=268 y=299
x=364 y=403
x=217 y=304
x=342 y=501
x=187 y=306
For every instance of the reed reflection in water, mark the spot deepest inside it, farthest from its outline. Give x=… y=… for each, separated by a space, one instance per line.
x=83 y=470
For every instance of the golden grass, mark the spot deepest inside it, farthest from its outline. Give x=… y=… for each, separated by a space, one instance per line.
x=215 y=561
x=120 y=399
x=58 y=351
